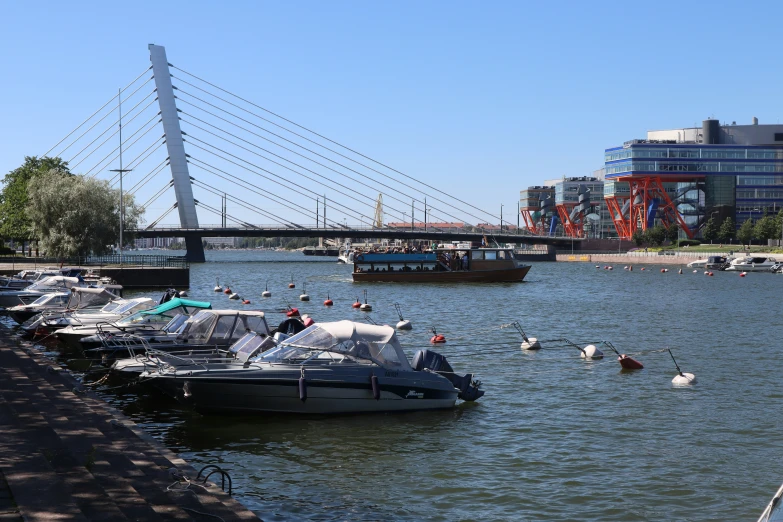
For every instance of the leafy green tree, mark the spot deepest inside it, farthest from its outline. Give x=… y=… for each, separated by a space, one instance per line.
x=638 y=238
x=710 y=231
x=74 y=215
x=655 y=235
x=727 y=230
x=14 y=222
x=766 y=228
x=673 y=232
x=745 y=233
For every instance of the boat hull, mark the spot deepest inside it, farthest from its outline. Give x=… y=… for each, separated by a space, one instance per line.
x=328 y=392
x=453 y=276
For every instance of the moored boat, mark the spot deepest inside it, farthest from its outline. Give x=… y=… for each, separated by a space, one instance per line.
x=441 y=265
x=339 y=367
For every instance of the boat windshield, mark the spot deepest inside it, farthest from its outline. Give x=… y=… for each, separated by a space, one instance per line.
x=131 y=306
x=200 y=325
x=176 y=324
x=111 y=307
x=318 y=345
x=142 y=318
x=52 y=299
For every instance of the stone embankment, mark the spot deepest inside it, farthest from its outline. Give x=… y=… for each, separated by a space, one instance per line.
x=638 y=258
x=65 y=454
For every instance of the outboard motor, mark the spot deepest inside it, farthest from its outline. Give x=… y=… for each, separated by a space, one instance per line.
x=435 y=362
x=290 y=326
x=168 y=295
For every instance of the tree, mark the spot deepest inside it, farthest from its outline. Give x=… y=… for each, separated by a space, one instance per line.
x=710 y=231
x=655 y=235
x=745 y=233
x=14 y=223
x=638 y=238
x=673 y=232
x=766 y=228
x=727 y=230
x=74 y=215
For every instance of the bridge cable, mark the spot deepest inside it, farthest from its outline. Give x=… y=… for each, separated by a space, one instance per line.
x=107 y=130
x=158 y=194
x=143 y=181
x=244 y=204
x=131 y=166
x=96 y=112
x=97 y=122
x=123 y=144
x=323 y=137
x=264 y=193
x=288 y=168
x=261 y=175
x=172 y=207
x=233 y=218
x=299 y=154
x=301 y=166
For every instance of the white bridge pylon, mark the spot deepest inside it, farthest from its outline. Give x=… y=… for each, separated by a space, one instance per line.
x=183 y=189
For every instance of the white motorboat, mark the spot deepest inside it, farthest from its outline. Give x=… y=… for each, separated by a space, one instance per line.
x=150 y=320
x=205 y=329
x=752 y=264
x=26 y=278
x=111 y=311
x=773 y=512
x=338 y=367
x=48 y=285
x=79 y=298
x=345 y=255
x=699 y=263
x=248 y=346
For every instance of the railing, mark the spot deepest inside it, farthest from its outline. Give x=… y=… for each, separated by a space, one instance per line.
x=507 y=229
x=142 y=261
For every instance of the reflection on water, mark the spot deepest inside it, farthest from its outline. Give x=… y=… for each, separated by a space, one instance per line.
x=555 y=437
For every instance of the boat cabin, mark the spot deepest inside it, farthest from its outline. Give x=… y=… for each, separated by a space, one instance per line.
x=440 y=259
x=223 y=326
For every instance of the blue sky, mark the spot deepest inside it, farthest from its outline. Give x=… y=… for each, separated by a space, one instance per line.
x=477 y=99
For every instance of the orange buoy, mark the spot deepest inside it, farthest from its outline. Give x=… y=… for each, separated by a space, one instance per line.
x=663 y=270
x=293 y=312
x=437 y=338
x=245 y=301
x=630 y=268
x=357 y=304
x=328 y=301
x=291 y=284
x=711 y=274
x=742 y=274
x=228 y=290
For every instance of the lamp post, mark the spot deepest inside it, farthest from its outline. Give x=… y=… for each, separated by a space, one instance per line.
x=501 y=218
x=121 y=171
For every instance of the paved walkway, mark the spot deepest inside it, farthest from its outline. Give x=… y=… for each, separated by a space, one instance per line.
x=67 y=455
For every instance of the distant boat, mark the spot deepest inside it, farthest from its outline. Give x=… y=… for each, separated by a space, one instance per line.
x=441 y=265
x=752 y=264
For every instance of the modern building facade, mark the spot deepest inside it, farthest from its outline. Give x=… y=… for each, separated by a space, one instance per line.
x=710 y=171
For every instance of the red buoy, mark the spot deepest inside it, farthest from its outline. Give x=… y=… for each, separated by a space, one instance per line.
x=308 y=321
x=291 y=285
x=293 y=312
x=328 y=301
x=357 y=304
x=227 y=290
x=436 y=339
x=629 y=364
x=245 y=301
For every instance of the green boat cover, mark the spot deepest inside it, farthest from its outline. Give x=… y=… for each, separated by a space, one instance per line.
x=174 y=303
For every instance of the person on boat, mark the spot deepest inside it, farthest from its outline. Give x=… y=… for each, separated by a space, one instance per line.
x=457 y=261
x=465 y=261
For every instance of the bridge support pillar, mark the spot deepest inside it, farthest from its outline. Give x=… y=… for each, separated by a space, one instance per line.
x=176 y=148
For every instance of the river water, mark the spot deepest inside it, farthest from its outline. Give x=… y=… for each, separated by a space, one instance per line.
x=554 y=438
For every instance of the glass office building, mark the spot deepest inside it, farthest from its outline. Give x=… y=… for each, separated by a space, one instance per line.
x=742 y=182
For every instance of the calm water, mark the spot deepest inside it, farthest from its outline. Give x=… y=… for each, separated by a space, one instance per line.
x=554 y=438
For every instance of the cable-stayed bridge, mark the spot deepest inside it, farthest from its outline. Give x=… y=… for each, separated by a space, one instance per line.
x=232 y=158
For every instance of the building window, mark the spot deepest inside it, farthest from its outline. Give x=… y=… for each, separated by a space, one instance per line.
x=779 y=136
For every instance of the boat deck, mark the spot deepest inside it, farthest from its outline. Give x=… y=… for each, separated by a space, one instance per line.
x=67 y=455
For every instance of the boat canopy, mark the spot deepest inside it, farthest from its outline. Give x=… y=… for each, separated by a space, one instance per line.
x=371 y=343
x=219 y=325
x=174 y=303
x=53 y=282
x=82 y=297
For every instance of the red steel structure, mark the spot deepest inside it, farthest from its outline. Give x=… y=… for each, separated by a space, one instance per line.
x=571 y=228
x=647 y=195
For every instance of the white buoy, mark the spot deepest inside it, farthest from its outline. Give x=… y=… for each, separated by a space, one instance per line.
x=304 y=296
x=695 y=271
x=404 y=325
x=684 y=379
x=218 y=288
x=531 y=343
x=234 y=296
x=365 y=307
x=266 y=292
x=591 y=352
